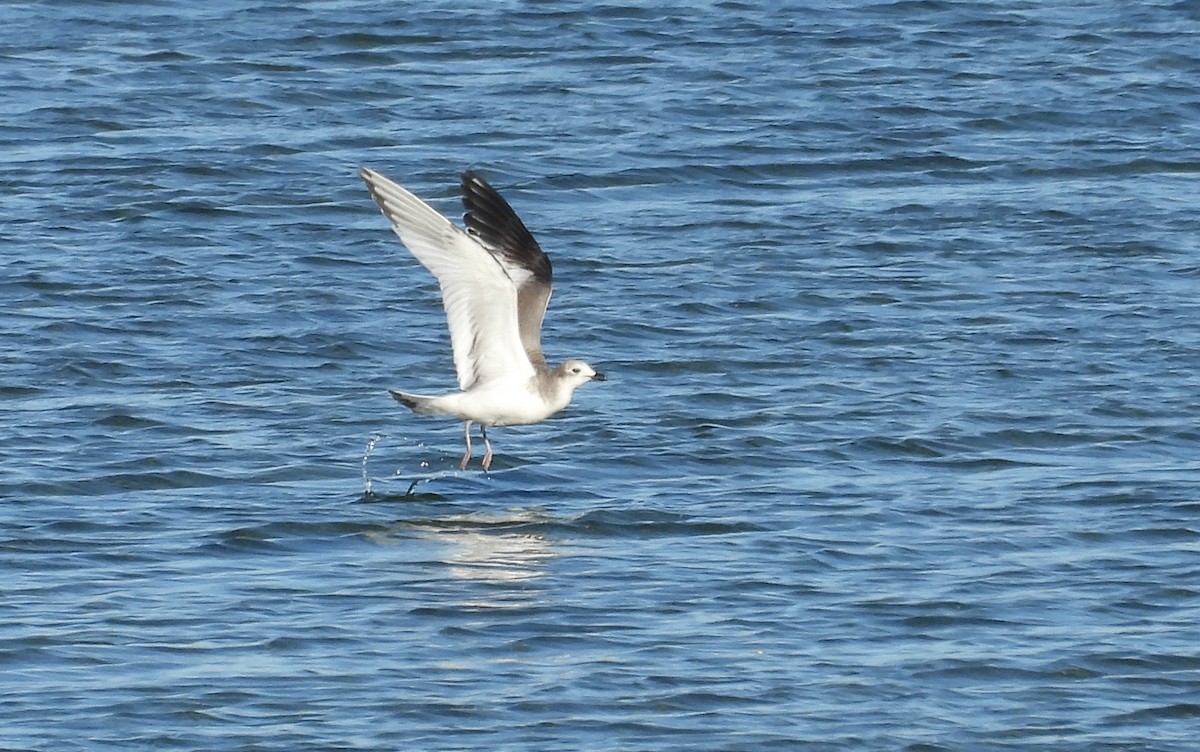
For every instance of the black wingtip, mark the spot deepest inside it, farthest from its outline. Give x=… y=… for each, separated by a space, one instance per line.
x=492 y=220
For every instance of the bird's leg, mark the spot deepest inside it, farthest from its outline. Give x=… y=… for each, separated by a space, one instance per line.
x=487 y=457
x=466 y=457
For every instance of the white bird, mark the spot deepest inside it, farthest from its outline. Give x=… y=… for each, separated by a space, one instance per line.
x=495 y=282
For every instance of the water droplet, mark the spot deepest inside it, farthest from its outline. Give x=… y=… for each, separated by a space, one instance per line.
x=366 y=454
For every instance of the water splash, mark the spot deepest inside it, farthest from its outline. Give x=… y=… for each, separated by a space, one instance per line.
x=367 y=492
x=398 y=474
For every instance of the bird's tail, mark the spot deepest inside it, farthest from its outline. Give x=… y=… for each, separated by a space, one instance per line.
x=416 y=402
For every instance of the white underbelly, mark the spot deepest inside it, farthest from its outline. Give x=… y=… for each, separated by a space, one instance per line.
x=500 y=404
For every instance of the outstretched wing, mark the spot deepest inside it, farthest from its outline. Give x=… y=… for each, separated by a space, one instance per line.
x=479 y=296
x=490 y=219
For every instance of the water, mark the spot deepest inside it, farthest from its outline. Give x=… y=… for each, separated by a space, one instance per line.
x=898 y=303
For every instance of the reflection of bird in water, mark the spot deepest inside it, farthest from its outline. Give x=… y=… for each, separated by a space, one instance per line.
x=496 y=557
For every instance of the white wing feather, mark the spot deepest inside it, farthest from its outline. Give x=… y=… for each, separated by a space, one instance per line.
x=478 y=295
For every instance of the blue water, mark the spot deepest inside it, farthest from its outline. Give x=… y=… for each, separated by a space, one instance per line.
x=900 y=305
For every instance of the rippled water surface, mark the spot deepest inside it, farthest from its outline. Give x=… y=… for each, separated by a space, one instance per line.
x=900 y=304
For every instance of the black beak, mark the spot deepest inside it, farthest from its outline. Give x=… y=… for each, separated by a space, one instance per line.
x=599 y=377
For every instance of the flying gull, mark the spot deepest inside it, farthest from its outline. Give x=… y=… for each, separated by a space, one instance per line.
x=495 y=283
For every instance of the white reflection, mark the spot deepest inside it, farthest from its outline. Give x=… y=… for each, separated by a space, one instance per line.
x=490 y=548
x=495 y=557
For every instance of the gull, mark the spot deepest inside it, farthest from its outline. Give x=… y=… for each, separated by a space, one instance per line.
x=495 y=283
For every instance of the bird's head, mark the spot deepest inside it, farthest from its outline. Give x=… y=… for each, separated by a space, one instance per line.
x=577 y=372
